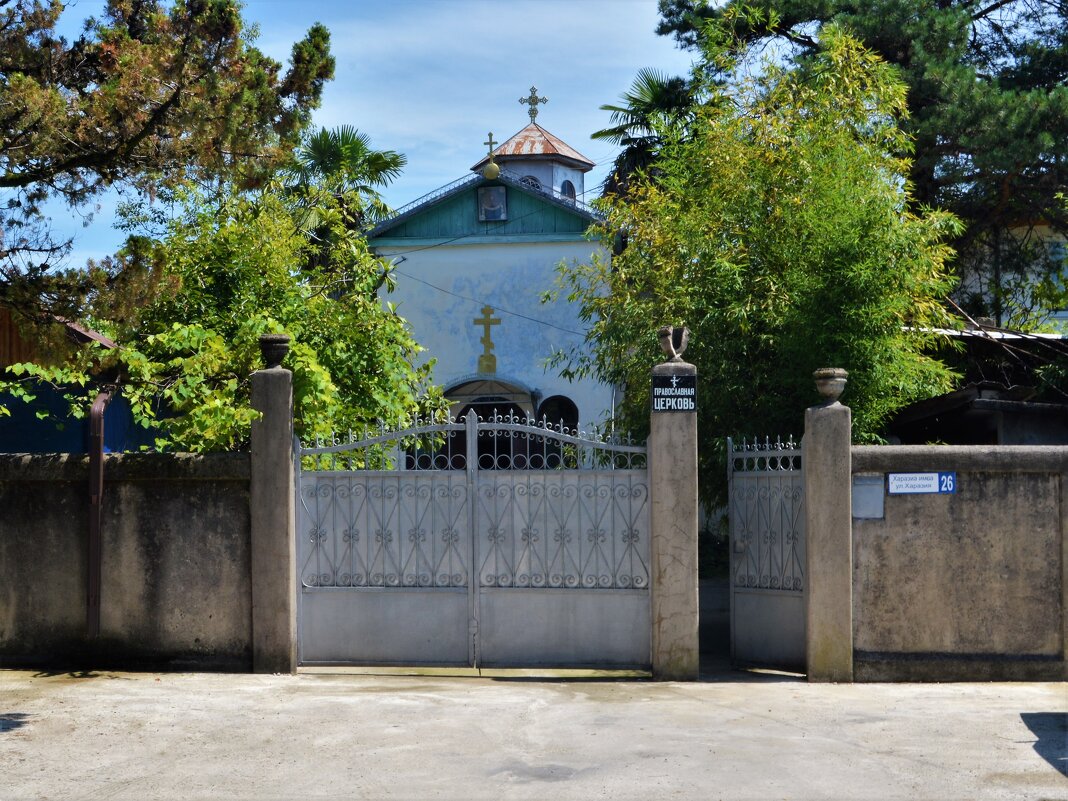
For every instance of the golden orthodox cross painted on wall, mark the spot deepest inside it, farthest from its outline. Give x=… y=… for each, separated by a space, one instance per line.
x=487 y=362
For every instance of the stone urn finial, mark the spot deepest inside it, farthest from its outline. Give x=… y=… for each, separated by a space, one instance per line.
x=673 y=341
x=274 y=348
x=830 y=381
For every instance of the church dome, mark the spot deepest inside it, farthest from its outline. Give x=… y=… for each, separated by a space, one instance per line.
x=534 y=143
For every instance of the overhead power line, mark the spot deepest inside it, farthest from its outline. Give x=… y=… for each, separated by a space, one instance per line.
x=487 y=303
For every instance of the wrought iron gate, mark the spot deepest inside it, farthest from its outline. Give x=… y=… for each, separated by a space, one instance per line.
x=767 y=554
x=498 y=543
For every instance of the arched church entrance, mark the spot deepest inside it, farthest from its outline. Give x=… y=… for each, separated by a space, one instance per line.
x=489 y=395
x=502 y=400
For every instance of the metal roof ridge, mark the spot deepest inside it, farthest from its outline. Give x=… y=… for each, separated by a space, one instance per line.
x=469 y=181
x=423 y=201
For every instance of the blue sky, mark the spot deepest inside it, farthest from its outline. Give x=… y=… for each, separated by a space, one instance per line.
x=430 y=78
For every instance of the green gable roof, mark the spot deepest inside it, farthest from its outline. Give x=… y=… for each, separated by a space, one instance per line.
x=452 y=214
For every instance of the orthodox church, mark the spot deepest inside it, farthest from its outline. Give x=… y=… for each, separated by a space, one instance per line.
x=473 y=260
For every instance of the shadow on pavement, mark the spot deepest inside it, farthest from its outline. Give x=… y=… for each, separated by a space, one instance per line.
x=715 y=638
x=1051 y=729
x=70 y=674
x=547 y=676
x=9 y=721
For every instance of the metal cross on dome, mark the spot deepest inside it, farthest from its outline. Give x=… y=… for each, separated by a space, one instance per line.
x=533 y=102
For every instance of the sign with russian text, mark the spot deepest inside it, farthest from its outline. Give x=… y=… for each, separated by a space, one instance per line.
x=921 y=483
x=674 y=393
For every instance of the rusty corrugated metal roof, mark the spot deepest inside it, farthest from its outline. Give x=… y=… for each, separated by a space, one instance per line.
x=535 y=142
x=81 y=334
x=19 y=346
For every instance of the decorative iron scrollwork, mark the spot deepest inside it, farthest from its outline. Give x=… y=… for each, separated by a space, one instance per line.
x=766 y=508
x=556 y=508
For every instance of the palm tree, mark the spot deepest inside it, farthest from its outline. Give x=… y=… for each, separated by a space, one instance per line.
x=341 y=162
x=332 y=181
x=653 y=100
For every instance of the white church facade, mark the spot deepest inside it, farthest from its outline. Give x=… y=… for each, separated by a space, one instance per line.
x=472 y=263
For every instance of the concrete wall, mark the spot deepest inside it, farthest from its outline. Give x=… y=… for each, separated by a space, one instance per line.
x=176 y=589
x=964 y=586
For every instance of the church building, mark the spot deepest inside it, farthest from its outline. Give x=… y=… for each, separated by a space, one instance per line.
x=473 y=261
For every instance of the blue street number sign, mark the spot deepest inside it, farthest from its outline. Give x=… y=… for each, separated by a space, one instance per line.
x=944 y=483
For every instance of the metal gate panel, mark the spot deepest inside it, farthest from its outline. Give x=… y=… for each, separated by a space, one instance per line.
x=385 y=568
x=767 y=554
x=429 y=548
x=384 y=627
x=564 y=628
x=564 y=570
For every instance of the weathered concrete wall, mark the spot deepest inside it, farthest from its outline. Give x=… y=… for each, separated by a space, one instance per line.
x=176 y=588
x=963 y=586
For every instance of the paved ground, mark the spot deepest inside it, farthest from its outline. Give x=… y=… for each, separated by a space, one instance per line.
x=314 y=736
x=341 y=735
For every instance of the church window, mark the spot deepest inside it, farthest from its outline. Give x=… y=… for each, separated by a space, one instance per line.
x=567 y=189
x=559 y=412
x=531 y=181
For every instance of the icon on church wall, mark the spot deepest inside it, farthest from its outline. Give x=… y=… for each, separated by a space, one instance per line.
x=492 y=204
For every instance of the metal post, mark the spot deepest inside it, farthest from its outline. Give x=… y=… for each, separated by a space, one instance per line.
x=96 y=508
x=471 y=430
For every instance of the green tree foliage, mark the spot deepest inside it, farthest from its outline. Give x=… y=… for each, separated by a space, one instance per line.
x=149 y=95
x=780 y=231
x=988 y=103
x=225 y=271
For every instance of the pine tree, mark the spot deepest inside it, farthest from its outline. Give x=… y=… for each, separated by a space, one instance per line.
x=149 y=95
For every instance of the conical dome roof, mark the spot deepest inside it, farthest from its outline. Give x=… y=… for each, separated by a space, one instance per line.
x=535 y=143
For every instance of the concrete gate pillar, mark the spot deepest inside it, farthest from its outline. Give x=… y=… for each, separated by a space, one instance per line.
x=672 y=451
x=272 y=506
x=827 y=470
